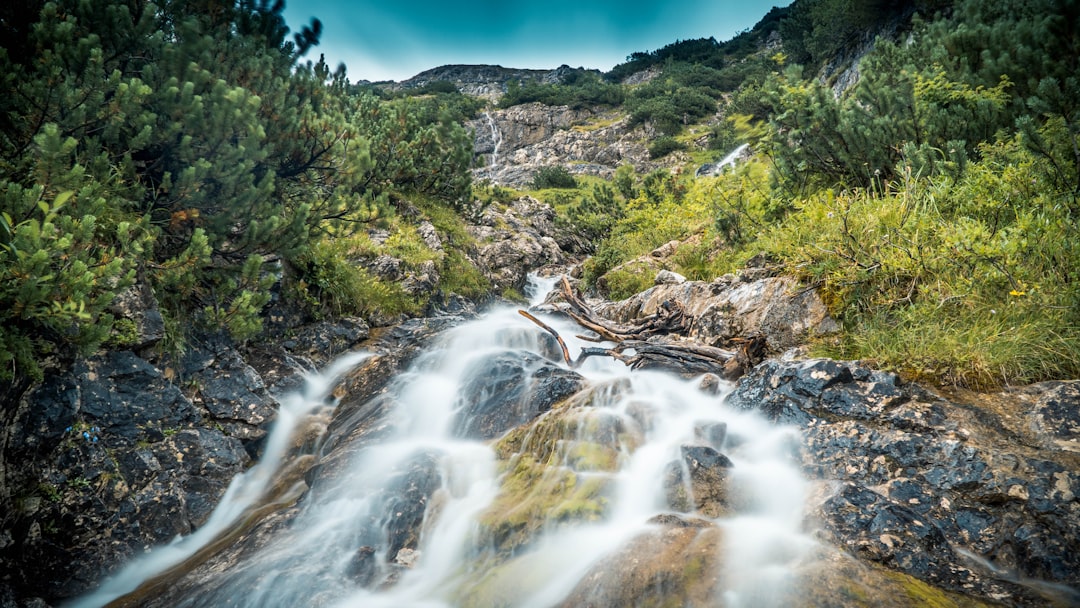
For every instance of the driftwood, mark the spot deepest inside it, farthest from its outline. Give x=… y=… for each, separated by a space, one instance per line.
x=649 y=339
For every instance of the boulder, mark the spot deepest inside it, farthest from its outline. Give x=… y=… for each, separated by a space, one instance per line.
x=509 y=389
x=698 y=481
x=776 y=307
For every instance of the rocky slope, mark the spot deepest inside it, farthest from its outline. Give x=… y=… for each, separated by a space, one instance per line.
x=513 y=143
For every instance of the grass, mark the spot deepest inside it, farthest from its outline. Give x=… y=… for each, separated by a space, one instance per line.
x=969 y=280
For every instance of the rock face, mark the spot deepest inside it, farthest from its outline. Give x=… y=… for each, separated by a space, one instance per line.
x=486 y=81
x=512 y=144
x=921 y=484
x=730 y=307
x=114 y=458
x=521 y=237
x=511 y=389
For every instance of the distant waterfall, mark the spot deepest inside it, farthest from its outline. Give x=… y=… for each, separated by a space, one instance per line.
x=732 y=157
x=496 y=138
x=717 y=168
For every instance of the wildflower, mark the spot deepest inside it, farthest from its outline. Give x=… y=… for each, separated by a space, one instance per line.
x=86 y=435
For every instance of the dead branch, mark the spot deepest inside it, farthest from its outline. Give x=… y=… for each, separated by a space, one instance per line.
x=649 y=340
x=550 y=330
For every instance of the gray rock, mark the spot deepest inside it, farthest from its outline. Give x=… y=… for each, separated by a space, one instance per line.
x=516 y=240
x=113 y=450
x=668 y=277
x=510 y=389
x=911 y=481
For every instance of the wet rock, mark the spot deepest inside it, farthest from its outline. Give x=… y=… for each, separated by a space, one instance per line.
x=323 y=341
x=112 y=451
x=510 y=389
x=682 y=569
x=698 y=482
x=917 y=483
x=231 y=391
x=1056 y=416
x=712 y=434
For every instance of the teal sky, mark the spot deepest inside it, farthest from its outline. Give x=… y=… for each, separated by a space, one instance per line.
x=396 y=39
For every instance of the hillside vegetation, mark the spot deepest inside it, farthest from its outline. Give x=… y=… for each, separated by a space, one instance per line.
x=934 y=203
x=191 y=148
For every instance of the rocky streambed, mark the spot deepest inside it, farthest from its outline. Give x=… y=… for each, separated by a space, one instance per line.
x=907 y=496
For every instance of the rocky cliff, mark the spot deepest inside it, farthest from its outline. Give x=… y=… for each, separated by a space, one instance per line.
x=513 y=143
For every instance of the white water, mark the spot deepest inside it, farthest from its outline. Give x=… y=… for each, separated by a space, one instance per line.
x=496 y=138
x=733 y=156
x=312 y=562
x=245 y=491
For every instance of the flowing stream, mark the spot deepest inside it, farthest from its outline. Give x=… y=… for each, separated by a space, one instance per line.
x=343 y=537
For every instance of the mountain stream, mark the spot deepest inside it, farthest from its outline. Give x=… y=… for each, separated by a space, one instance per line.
x=597 y=479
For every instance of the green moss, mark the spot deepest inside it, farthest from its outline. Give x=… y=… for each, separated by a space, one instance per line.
x=124 y=333
x=922 y=594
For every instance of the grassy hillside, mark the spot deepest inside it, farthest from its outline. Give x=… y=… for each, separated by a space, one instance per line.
x=935 y=203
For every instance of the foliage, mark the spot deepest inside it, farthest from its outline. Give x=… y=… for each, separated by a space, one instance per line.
x=578 y=89
x=554 y=176
x=662 y=146
x=190 y=143
x=341 y=287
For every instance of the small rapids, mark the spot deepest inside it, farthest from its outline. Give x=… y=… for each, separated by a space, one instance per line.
x=347 y=545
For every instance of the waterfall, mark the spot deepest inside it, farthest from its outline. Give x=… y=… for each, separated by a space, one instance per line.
x=730 y=159
x=496 y=138
x=345 y=547
x=245 y=492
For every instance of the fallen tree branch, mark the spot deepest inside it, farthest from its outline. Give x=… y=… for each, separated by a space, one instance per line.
x=550 y=330
x=649 y=339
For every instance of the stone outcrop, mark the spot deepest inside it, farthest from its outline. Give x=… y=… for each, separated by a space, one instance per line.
x=522 y=236
x=968 y=493
x=513 y=143
x=114 y=458
x=734 y=306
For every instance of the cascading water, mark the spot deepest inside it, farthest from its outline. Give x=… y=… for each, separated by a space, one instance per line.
x=244 y=493
x=733 y=156
x=346 y=547
x=496 y=138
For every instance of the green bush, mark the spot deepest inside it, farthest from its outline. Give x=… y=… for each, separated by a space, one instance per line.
x=555 y=176
x=662 y=146
x=342 y=288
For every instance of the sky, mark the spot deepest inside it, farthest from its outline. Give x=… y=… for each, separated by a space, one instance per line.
x=397 y=39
